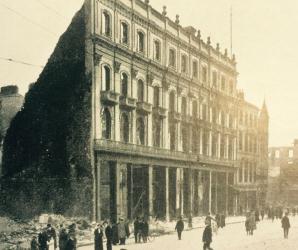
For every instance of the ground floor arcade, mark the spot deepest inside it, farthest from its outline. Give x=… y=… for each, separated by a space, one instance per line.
x=129 y=189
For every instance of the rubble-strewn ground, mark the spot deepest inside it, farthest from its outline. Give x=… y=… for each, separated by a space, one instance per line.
x=20 y=232
x=268 y=236
x=15 y=233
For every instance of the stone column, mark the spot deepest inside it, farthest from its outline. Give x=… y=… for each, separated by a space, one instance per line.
x=117 y=84
x=210 y=191
x=201 y=141
x=191 y=191
x=182 y=190
x=216 y=193
x=150 y=182
x=97 y=199
x=178 y=189
x=210 y=144
x=227 y=193
x=219 y=145
x=166 y=141
x=167 y=196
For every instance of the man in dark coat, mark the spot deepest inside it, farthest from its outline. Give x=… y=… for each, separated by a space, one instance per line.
x=43 y=239
x=115 y=233
x=109 y=235
x=34 y=244
x=98 y=234
x=179 y=227
x=71 y=243
x=145 y=230
x=285 y=223
x=63 y=237
x=207 y=236
x=136 y=226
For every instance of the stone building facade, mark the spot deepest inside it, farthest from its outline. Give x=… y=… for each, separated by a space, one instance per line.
x=172 y=133
x=10 y=103
x=283 y=162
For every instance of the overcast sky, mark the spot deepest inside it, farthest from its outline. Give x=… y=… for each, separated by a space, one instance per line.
x=264 y=36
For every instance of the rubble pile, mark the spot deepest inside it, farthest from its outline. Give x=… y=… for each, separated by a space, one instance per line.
x=17 y=234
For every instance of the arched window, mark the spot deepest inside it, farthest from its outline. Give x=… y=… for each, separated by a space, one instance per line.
x=124 y=84
x=106 y=124
x=183 y=106
x=172 y=102
x=106 y=23
x=106 y=78
x=157 y=50
x=124 y=128
x=172 y=58
x=140 y=131
x=140 y=90
x=156 y=96
x=184 y=64
x=124 y=33
x=194 y=109
x=141 y=42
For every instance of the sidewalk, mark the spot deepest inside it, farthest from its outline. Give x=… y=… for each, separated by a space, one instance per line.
x=165 y=228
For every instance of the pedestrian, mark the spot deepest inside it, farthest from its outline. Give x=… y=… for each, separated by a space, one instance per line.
x=145 y=230
x=247 y=225
x=122 y=234
x=257 y=214
x=207 y=236
x=285 y=223
x=43 y=239
x=190 y=221
x=109 y=235
x=252 y=223
x=62 y=237
x=262 y=214
x=52 y=235
x=136 y=226
x=222 y=220
x=217 y=219
x=71 y=242
x=115 y=240
x=179 y=227
x=98 y=234
x=34 y=244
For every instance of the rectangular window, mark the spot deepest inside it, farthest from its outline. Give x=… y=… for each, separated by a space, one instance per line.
x=157 y=50
x=124 y=33
x=214 y=79
x=195 y=69
x=223 y=83
x=184 y=64
x=172 y=58
x=204 y=74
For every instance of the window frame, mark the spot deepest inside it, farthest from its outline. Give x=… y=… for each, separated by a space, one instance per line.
x=106 y=32
x=172 y=63
x=141 y=32
x=122 y=23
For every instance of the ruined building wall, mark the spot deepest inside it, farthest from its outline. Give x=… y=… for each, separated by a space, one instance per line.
x=46 y=161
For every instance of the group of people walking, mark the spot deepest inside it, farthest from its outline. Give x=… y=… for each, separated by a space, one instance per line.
x=47 y=237
x=141 y=229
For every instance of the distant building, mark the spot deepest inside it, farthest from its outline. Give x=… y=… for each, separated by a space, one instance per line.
x=10 y=103
x=283 y=171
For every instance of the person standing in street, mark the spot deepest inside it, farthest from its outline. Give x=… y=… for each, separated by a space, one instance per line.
x=62 y=237
x=262 y=214
x=34 y=244
x=136 y=226
x=207 y=236
x=179 y=227
x=122 y=231
x=43 y=239
x=98 y=234
x=109 y=235
x=285 y=223
x=252 y=223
